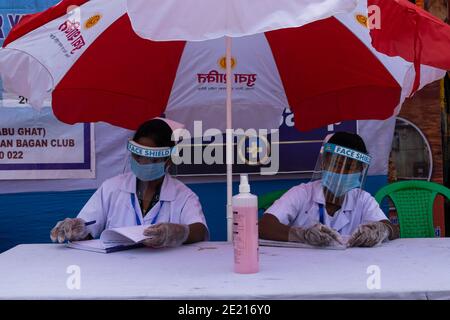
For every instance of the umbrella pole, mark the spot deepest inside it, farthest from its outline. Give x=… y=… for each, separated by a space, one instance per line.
x=229 y=144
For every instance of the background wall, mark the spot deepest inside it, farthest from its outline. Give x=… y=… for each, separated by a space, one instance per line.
x=424 y=111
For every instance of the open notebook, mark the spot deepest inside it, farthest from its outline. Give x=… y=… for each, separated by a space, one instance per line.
x=113 y=240
x=333 y=246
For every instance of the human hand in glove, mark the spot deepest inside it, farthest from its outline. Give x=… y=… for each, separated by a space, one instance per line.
x=318 y=235
x=70 y=230
x=166 y=235
x=369 y=235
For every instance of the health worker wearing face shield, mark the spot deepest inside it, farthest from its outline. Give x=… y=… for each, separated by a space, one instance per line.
x=147 y=196
x=333 y=205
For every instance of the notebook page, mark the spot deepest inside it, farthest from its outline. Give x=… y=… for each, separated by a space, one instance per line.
x=125 y=235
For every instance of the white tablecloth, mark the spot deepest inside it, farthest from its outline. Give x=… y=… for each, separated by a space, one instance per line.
x=409 y=268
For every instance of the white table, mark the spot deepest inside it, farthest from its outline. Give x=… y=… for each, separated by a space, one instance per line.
x=410 y=268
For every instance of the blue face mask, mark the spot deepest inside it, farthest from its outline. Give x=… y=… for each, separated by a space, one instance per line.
x=340 y=184
x=148 y=172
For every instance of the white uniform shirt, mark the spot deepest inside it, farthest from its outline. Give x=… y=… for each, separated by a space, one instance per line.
x=111 y=206
x=300 y=207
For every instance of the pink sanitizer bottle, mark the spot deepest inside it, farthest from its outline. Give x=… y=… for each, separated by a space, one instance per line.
x=245 y=229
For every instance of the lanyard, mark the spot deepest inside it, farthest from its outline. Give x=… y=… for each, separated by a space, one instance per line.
x=321 y=214
x=136 y=214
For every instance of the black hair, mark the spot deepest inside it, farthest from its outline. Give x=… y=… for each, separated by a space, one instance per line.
x=349 y=140
x=157 y=130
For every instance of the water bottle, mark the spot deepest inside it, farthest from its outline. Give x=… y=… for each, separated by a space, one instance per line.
x=245 y=229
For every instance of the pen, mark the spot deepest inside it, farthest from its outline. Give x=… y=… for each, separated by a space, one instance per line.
x=89 y=223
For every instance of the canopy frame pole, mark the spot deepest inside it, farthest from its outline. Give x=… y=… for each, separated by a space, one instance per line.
x=229 y=140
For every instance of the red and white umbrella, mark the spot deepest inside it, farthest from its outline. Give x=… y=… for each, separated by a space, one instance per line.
x=95 y=68
x=313 y=56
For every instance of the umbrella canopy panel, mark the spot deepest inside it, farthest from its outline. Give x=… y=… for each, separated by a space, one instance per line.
x=98 y=69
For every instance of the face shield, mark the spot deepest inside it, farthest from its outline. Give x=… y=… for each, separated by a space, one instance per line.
x=340 y=170
x=147 y=159
x=146 y=155
x=147 y=164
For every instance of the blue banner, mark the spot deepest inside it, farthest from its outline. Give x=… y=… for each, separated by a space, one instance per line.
x=293 y=151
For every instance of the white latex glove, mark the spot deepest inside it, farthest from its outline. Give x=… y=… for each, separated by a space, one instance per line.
x=166 y=235
x=318 y=235
x=369 y=235
x=70 y=230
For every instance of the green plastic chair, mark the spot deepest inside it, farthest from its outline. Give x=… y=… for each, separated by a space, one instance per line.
x=266 y=200
x=414 y=201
